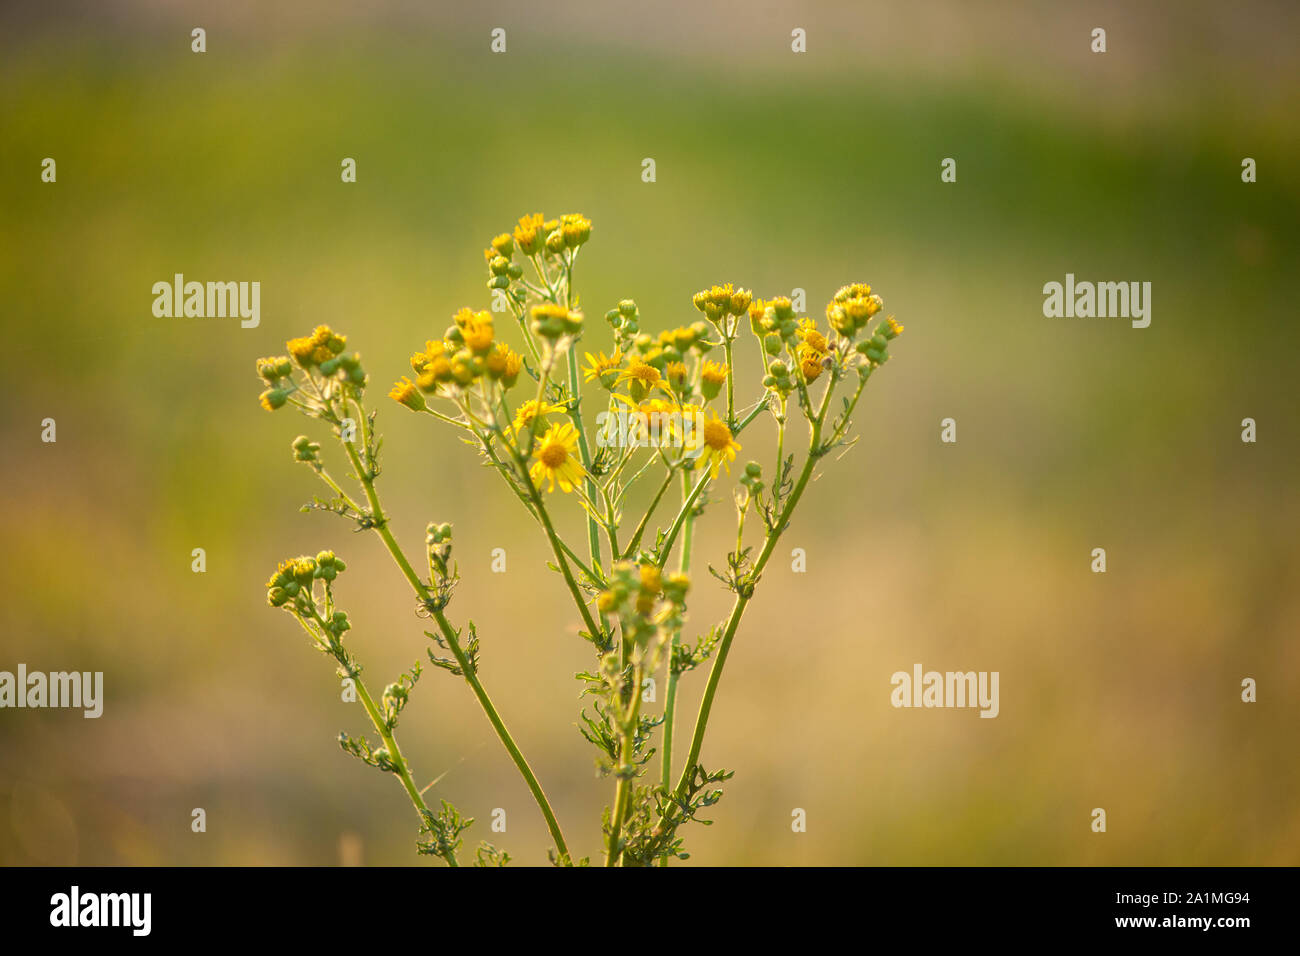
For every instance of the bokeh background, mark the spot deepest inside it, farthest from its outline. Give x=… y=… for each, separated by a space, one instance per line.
x=775 y=171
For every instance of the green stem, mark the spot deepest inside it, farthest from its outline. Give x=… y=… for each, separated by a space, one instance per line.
x=640 y=528
x=743 y=597
x=670 y=691
x=584 y=450
x=731 y=378
x=453 y=641
x=623 y=789
x=687 y=506
x=381 y=726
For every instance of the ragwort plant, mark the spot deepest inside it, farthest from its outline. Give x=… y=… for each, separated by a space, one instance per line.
x=668 y=417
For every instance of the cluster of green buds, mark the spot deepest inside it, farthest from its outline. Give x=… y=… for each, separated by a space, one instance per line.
x=306 y=451
x=774 y=323
x=293 y=580
x=752 y=479
x=323 y=351
x=778 y=378
x=851 y=308
x=625 y=320
x=277 y=372
x=437 y=540
x=396 y=696
x=552 y=321
x=722 y=300
x=501 y=270
x=876 y=348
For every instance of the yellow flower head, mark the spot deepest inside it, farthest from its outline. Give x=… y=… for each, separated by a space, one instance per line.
x=641 y=378
x=406 y=393
x=757 y=309
x=552 y=321
x=714 y=442
x=318 y=347
x=811 y=362
x=657 y=420
x=740 y=300
x=851 y=307
x=437 y=371
x=476 y=327
x=575 y=228
x=809 y=335
x=651 y=585
x=534 y=414
x=504 y=245
x=499 y=364
x=303 y=351
x=557 y=458
x=712 y=377
x=529 y=235
x=603 y=367
x=514 y=364
x=275 y=368
x=680 y=338
x=675 y=373
x=432 y=350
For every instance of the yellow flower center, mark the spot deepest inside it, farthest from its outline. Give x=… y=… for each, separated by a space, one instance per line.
x=553 y=455
x=716 y=434
x=645 y=374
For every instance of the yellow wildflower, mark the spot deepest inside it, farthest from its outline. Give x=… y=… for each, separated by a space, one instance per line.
x=534 y=414
x=406 y=393
x=557 y=459
x=641 y=379
x=714 y=444
x=529 y=235
x=603 y=367
x=712 y=377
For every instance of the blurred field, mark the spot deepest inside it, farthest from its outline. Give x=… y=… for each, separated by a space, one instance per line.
x=774 y=171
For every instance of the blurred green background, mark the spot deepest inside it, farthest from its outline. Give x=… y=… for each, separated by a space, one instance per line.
x=775 y=171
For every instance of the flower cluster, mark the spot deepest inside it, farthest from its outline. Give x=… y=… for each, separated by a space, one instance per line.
x=658 y=407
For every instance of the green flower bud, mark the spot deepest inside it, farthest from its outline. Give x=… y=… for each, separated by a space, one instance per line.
x=499 y=266
x=627 y=308
x=772 y=344
x=516 y=271
x=754 y=470
x=498 y=282
x=274 y=398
